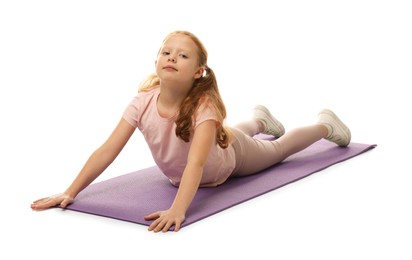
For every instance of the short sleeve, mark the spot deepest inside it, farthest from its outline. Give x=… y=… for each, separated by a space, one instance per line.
x=205 y=112
x=134 y=111
x=131 y=112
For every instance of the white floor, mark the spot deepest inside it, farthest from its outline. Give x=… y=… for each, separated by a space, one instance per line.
x=68 y=69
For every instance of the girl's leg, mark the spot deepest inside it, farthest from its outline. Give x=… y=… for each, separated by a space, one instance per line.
x=253 y=155
x=250 y=128
x=262 y=122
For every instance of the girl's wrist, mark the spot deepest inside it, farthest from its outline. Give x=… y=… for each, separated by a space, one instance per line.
x=178 y=209
x=70 y=193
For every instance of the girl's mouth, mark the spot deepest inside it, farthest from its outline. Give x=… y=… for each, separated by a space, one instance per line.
x=169 y=67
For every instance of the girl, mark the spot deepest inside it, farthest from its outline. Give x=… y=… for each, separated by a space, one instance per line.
x=180 y=112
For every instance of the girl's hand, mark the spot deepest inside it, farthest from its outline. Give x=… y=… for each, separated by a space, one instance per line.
x=164 y=220
x=52 y=201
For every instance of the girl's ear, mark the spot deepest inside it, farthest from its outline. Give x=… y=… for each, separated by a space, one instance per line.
x=199 y=73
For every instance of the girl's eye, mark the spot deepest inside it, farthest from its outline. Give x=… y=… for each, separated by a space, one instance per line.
x=165 y=53
x=183 y=56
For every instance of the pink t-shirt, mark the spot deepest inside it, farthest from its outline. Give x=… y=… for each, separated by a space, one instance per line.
x=169 y=151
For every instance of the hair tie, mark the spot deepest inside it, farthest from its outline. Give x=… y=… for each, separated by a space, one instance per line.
x=207 y=69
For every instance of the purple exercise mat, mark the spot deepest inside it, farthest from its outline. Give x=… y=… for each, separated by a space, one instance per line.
x=131 y=196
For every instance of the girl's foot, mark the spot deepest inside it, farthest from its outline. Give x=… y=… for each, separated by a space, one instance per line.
x=271 y=124
x=338 y=132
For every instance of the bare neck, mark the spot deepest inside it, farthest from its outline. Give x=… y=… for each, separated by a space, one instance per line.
x=170 y=99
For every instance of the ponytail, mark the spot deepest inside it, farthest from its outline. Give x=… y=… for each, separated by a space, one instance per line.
x=151 y=82
x=204 y=89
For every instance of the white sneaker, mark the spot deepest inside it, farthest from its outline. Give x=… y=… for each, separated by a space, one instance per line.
x=339 y=133
x=272 y=125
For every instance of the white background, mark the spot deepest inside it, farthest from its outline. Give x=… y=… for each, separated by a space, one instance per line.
x=69 y=68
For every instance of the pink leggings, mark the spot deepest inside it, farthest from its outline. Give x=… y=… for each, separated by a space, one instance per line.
x=253 y=155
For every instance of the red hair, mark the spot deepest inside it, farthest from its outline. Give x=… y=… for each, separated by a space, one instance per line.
x=204 y=91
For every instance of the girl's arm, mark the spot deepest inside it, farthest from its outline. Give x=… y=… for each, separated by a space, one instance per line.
x=94 y=166
x=203 y=139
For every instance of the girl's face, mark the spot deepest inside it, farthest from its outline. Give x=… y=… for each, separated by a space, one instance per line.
x=178 y=60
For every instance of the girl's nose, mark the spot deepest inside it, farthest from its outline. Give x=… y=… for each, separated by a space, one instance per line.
x=172 y=59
